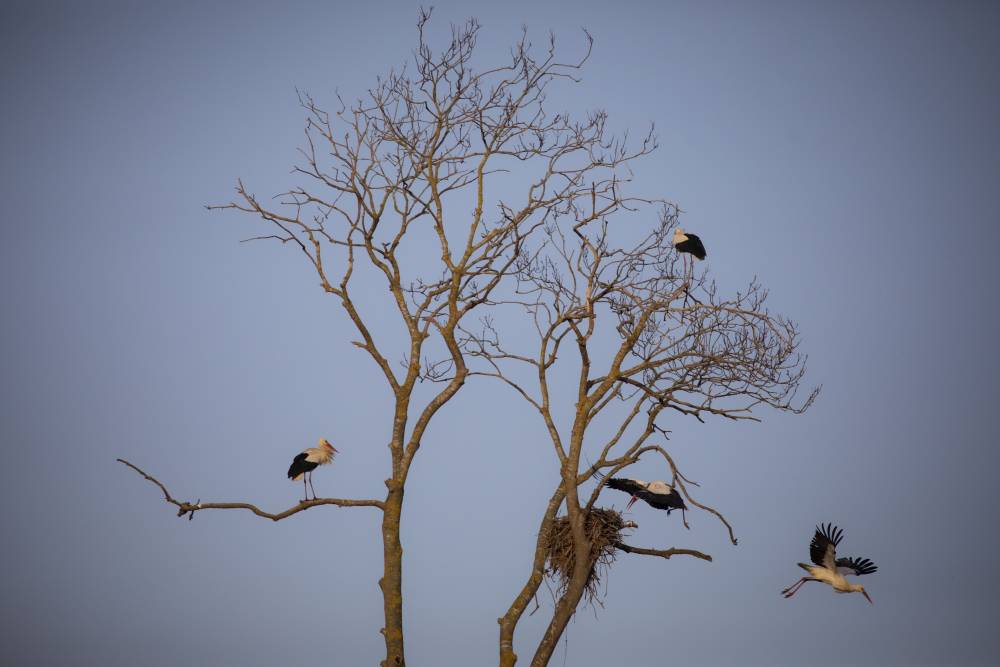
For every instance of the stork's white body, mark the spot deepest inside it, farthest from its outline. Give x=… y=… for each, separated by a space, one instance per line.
x=837 y=581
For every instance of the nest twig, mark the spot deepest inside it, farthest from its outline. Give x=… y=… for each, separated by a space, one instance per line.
x=603 y=528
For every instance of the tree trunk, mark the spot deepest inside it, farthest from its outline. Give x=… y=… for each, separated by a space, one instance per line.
x=508 y=622
x=391 y=582
x=565 y=609
x=582 y=567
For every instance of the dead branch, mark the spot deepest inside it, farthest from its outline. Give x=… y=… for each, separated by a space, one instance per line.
x=662 y=553
x=189 y=509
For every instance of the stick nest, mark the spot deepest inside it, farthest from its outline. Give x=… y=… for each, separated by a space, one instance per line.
x=603 y=528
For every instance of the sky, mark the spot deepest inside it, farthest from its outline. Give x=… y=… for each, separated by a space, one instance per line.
x=846 y=154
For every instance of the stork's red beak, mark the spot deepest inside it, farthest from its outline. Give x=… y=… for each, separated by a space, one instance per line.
x=865 y=593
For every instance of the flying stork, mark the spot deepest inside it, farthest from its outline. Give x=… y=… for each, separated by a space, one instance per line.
x=311 y=458
x=658 y=494
x=828 y=568
x=688 y=244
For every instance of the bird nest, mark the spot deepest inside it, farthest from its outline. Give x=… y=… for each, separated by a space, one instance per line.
x=603 y=529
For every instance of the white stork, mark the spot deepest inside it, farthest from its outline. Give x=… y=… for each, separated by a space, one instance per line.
x=688 y=244
x=311 y=458
x=828 y=568
x=658 y=494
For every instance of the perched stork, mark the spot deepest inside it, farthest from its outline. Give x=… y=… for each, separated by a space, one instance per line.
x=311 y=458
x=828 y=568
x=658 y=494
x=689 y=244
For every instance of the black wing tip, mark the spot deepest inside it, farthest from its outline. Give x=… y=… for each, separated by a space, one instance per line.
x=859 y=565
x=830 y=532
x=865 y=566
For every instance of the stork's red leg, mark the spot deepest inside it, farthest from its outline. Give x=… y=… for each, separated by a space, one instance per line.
x=687 y=280
x=630 y=503
x=801 y=584
x=797 y=583
x=789 y=592
x=305 y=489
x=311 y=486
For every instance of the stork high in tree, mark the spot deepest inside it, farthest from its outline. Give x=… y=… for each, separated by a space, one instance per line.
x=688 y=244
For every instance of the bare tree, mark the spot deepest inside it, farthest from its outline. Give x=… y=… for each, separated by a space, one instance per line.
x=621 y=336
x=408 y=184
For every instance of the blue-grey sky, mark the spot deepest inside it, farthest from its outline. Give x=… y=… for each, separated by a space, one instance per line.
x=847 y=154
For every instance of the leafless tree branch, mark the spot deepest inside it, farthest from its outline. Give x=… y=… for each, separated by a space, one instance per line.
x=189 y=509
x=662 y=553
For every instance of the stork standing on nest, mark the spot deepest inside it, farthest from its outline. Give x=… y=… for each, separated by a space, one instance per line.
x=688 y=244
x=828 y=568
x=658 y=494
x=310 y=459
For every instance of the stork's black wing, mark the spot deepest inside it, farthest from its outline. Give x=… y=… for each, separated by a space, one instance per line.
x=300 y=466
x=823 y=548
x=855 y=566
x=664 y=501
x=676 y=501
x=692 y=245
x=626 y=485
